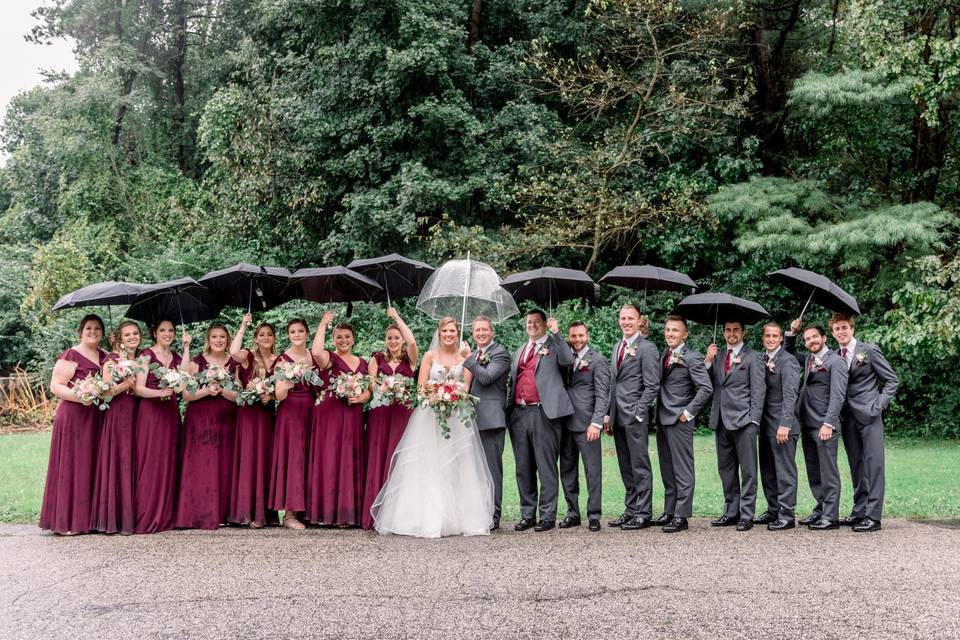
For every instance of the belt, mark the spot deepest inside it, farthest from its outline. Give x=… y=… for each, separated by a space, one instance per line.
x=529 y=404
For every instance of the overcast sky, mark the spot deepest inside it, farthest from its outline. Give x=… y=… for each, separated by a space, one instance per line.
x=23 y=61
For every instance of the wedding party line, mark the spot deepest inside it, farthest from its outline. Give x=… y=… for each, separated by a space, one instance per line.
x=414 y=446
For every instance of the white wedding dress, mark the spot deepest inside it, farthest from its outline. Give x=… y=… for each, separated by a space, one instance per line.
x=436 y=486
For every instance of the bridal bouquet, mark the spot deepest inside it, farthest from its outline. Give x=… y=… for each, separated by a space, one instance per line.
x=214 y=373
x=297 y=373
x=179 y=381
x=90 y=391
x=448 y=398
x=349 y=385
x=254 y=391
x=123 y=369
x=395 y=389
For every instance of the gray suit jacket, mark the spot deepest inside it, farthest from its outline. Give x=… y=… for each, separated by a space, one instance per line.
x=553 y=394
x=738 y=395
x=685 y=385
x=635 y=383
x=589 y=391
x=866 y=400
x=783 y=387
x=823 y=391
x=490 y=385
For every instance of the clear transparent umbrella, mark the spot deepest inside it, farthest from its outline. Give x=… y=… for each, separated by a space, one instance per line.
x=466 y=289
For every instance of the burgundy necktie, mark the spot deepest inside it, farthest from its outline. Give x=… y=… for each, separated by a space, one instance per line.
x=843 y=352
x=623 y=348
x=726 y=363
x=666 y=361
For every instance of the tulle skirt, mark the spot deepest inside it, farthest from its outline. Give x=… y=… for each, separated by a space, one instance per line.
x=436 y=486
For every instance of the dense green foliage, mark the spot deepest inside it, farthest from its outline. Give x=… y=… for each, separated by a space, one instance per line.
x=721 y=139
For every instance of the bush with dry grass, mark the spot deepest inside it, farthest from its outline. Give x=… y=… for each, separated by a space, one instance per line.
x=25 y=403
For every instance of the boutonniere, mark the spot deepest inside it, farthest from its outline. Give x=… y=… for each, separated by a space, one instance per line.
x=544 y=352
x=630 y=352
x=735 y=361
x=676 y=360
x=862 y=357
x=817 y=362
x=584 y=364
x=771 y=366
x=484 y=359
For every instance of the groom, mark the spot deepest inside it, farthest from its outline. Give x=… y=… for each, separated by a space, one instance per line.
x=538 y=401
x=490 y=364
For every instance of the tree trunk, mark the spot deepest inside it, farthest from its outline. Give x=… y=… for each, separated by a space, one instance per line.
x=474 y=31
x=928 y=151
x=179 y=91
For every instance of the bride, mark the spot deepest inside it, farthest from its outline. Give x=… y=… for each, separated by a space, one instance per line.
x=437 y=486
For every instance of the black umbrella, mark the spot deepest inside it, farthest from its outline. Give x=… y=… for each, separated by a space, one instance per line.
x=333 y=284
x=247 y=286
x=101 y=293
x=715 y=308
x=185 y=299
x=400 y=277
x=817 y=288
x=550 y=285
x=648 y=277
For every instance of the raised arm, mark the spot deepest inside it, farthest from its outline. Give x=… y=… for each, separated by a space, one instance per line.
x=499 y=364
x=237 y=352
x=318 y=350
x=412 y=351
x=186 y=364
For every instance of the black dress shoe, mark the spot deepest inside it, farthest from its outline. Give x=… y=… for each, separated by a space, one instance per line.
x=825 y=525
x=781 y=524
x=866 y=525
x=662 y=519
x=765 y=518
x=594 y=524
x=724 y=521
x=524 y=524
x=676 y=525
x=570 y=521
x=495 y=526
x=619 y=521
x=545 y=525
x=850 y=521
x=813 y=518
x=745 y=525
x=635 y=523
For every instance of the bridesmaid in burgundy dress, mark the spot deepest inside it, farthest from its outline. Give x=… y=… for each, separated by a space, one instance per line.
x=253 y=441
x=156 y=436
x=206 y=451
x=66 y=506
x=335 y=465
x=385 y=425
x=113 y=510
x=294 y=408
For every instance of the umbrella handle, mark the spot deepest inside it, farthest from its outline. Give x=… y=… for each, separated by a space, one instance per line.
x=250 y=296
x=466 y=290
x=806 y=304
x=716 y=316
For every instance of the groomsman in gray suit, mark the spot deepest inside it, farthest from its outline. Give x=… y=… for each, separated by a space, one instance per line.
x=738 y=391
x=539 y=401
x=588 y=385
x=684 y=390
x=871 y=386
x=779 y=431
x=634 y=387
x=490 y=366
x=822 y=395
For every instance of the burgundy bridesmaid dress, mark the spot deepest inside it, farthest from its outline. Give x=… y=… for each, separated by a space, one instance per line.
x=156 y=436
x=288 y=465
x=68 y=491
x=385 y=426
x=335 y=466
x=203 y=498
x=252 y=453
x=113 y=510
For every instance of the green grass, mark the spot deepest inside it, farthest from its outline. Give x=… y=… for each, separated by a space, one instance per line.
x=922 y=480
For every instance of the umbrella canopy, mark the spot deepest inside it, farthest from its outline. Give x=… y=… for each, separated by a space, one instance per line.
x=466 y=288
x=184 y=299
x=333 y=284
x=816 y=288
x=648 y=277
x=551 y=285
x=715 y=308
x=400 y=277
x=249 y=286
x=101 y=293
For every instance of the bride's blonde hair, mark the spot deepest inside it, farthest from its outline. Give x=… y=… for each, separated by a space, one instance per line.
x=446 y=320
